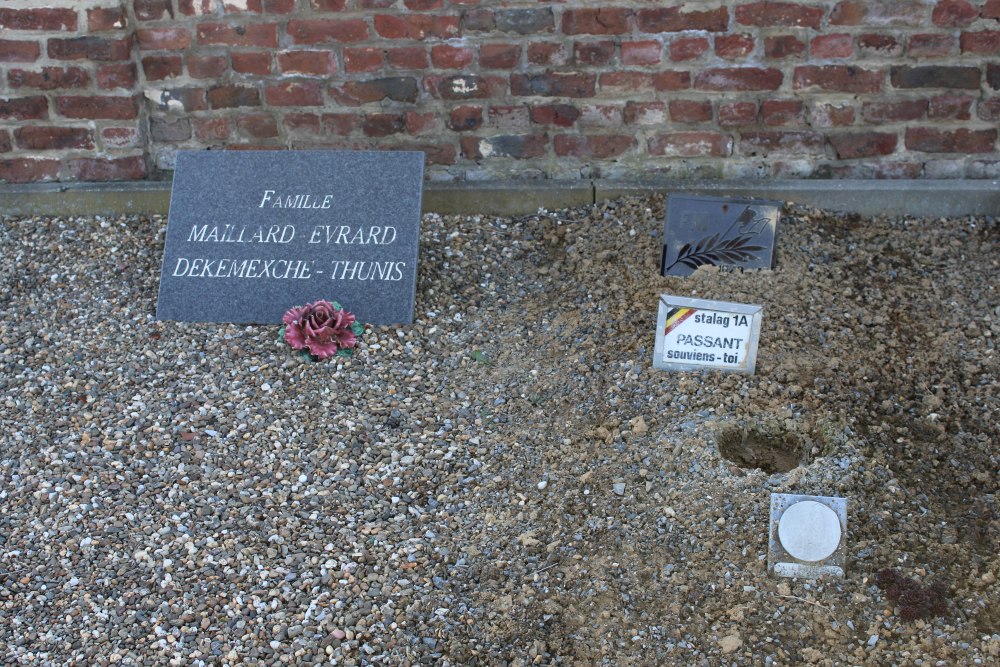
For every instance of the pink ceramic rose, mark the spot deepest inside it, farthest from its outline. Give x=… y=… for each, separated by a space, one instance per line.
x=324 y=329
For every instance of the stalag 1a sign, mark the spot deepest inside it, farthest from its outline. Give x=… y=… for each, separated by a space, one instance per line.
x=717 y=231
x=697 y=334
x=253 y=233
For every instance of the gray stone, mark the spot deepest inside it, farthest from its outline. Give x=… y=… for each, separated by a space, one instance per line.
x=165 y=129
x=525 y=21
x=718 y=231
x=252 y=234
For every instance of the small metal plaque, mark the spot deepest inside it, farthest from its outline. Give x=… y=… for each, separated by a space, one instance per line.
x=697 y=334
x=808 y=536
x=716 y=231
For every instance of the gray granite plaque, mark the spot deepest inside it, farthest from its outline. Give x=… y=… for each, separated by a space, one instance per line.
x=715 y=231
x=253 y=233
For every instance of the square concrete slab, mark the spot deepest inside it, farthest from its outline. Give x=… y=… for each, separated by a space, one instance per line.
x=808 y=536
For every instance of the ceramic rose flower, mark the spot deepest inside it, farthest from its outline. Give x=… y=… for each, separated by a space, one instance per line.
x=323 y=329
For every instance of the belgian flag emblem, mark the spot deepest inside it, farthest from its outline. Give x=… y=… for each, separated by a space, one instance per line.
x=675 y=316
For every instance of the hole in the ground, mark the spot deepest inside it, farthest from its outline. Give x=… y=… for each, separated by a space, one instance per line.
x=768 y=446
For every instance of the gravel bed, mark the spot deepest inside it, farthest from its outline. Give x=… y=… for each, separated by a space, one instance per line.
x=507 y=481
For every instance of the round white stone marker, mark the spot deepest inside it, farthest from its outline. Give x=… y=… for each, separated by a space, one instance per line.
x=809 y=531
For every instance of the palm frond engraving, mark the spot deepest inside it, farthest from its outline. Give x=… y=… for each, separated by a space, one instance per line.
x=720 y=249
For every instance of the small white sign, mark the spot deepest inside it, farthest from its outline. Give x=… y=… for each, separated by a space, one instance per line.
x=695 y=334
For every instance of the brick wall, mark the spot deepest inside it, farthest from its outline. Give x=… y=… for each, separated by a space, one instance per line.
x=109 y=89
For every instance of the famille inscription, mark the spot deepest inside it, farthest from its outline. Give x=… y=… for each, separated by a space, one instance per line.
x=258 y=249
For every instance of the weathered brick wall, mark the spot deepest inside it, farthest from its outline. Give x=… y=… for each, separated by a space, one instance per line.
x=102 y=89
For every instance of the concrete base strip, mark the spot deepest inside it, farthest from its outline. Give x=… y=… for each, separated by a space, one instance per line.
x=924 y=198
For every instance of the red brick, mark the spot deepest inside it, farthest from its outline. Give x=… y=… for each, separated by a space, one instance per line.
x=481 y=20
x=117 y=75
x=832 y=115
x=646 y=52
x=553 y=84
x=733 y=47
x=991 y=10
x=328 y=5
x=783 y=46
x=106 y=169
x=49 y=78
x=383 y=124
x=301 y=124
x=106 y=18
x=504 y=117
x=341 y=124
x=318 y=31
x=766 y=14
x=690 y=111
x=954 y=13
x=121 y=137
x=499 y=56
x=263 y=35
x=600 y=115
x=668 y=80
x=935 y=45
x=98 y=108
x=911 y=13
x=547 y=53
x=163 y=39
x=5 y=143
x=279 y=6
x=28 y=170
x=195 y=7
x=985 y=42
x=257 y=126
x=691 y=144
x=880 y=45
x=559 y=115
x=687 y=48
x=362 y=59
x=210 y=129
x=989 y=109
x=294 y=94
x=951 y=107
x=206 y=67
x=231 y=96
x=422 y=123
x=465 y=118
x=14 y=51
x=782 y=112
x=935 y=76
x=525 y=21
x=251 y=62
x=598 y=146
x=90 y=48
x=593 y=53
x=446 y=56
x=444 y=154
x=189 y=99
x=464 y=86
x=839 y=78
x=930 y=140
x=417 y=26
x=42 y=18
x=39 y=138
x=893 y=111
x=675 y=19
x=521 y=146
x=645 y=113
x=739 y=79
x=423 y=5
x=603 y=21
x=408 y=57
x=736 y=114
x=35 y=107
x=312 y=62
x=162 y=67
x=398 y=88
x=838 y=45
x=152 y=10
x=781 y=141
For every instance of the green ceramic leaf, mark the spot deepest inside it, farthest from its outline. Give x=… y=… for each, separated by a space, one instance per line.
x=345 y=352
x=337 y=306
x=357 y=328
x=281 y=333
